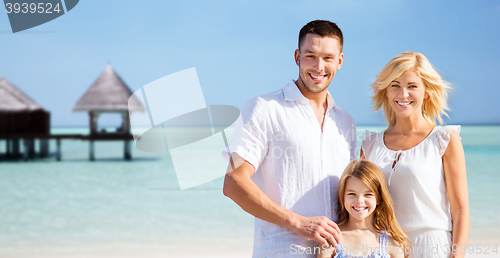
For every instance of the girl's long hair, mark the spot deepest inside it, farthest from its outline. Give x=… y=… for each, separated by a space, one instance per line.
x=383 y=216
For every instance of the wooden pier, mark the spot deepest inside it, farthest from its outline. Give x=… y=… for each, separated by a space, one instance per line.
x=13 y=142
x=23 y=121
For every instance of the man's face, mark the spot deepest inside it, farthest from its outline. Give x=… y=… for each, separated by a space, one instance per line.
x=318 y=59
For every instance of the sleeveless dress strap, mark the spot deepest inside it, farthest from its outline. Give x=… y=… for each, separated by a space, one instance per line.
x=339 y=251
x=384 y=241
x=367 y=142
x=443 y=137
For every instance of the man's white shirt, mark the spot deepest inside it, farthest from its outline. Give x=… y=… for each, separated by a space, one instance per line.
x=297 y=164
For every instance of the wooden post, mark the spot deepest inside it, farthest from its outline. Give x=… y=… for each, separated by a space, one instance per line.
x=126 y=122
x=126 y=130
x=91 y=151
x=127 y=152
x=44 y=148
x=31 y=148
x=26 y=149
x=94 y=116
x=58 y=151
x=92 y=124
x=15 y=147
x=8 y=147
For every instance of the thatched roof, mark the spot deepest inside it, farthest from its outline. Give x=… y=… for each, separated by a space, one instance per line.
x=108 y=93
x=14 y=100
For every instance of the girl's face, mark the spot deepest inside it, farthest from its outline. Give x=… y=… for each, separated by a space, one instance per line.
x=359 y=201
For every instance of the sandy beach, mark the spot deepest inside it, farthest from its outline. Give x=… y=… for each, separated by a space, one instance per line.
x=478 y=248
x=129 y=251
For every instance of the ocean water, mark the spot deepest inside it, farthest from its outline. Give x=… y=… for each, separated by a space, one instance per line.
x=72 y=207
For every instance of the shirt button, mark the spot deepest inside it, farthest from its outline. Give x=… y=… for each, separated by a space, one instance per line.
x=328 y=213
x=326 y=187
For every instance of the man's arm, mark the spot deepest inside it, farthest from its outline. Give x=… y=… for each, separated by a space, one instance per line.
x=239 y=186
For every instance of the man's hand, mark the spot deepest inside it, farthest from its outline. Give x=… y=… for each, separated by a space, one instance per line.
x=320 y=229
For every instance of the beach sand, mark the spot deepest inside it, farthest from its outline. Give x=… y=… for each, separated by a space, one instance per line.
x=483 y=247
x=476 y=245
x=131 y=250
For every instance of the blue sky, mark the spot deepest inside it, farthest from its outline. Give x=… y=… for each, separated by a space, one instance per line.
x=242 y=49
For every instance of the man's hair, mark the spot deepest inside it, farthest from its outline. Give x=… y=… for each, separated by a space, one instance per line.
x=322 y=28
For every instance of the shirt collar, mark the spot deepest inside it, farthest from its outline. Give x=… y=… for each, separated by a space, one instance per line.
x=292 y=93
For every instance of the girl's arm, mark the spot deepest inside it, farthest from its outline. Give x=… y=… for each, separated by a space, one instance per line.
x=456 y=186
x=325 y=253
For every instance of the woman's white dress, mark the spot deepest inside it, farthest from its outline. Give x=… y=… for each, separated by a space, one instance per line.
x=417 y=185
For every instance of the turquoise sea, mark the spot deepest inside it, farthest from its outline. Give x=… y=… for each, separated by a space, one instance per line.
x=114 y=208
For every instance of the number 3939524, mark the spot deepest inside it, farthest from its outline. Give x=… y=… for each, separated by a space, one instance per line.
x=32 y=8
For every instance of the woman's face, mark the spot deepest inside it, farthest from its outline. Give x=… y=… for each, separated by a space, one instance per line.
x=406 y=95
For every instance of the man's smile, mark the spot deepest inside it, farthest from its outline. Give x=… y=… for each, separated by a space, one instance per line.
x=317 y=77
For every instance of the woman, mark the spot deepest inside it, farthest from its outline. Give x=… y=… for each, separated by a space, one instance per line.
x=424 y=164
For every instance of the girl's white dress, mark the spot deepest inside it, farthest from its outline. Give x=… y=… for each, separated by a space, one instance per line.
x=415 y=178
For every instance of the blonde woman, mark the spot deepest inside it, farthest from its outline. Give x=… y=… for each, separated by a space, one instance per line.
x=424 y=164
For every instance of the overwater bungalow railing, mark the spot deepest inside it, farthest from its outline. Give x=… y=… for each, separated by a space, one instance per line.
x=14 y=141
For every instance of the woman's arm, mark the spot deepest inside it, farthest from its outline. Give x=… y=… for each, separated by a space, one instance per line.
x=456 y=186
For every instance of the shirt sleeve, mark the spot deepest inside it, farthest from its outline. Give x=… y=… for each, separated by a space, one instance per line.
x=443 y=137
x=348 y=127
x=250 y=137
x=354 y=142
x=367 y=142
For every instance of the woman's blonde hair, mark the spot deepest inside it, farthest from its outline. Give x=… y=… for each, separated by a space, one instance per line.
x=383 y=216
x=435 y=87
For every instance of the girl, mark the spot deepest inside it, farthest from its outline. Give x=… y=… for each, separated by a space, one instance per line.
x=424 y=164
x=366 y=217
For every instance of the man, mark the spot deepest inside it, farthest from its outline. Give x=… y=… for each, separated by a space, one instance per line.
x=289 y=150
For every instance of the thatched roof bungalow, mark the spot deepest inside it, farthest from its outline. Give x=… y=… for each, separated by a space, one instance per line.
x=19 y=114
x=108 y=94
